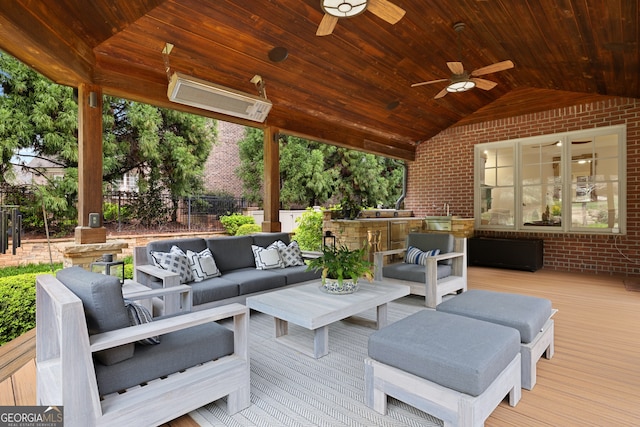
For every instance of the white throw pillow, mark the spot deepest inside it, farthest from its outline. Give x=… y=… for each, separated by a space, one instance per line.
x=267 y=258
x=202 y=265
x=291 y=255
x=174 y=261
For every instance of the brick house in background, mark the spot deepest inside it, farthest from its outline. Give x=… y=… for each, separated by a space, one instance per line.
x=220 y=168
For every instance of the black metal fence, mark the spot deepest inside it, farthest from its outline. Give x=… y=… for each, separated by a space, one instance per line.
x=126 y=210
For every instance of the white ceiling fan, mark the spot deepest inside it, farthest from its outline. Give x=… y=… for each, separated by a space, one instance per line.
x=337 y=9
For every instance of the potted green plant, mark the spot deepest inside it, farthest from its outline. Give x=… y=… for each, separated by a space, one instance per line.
x=342 y=268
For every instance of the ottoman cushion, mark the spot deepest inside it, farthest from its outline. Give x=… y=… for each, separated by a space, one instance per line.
x=456 y=352
x=525 y=313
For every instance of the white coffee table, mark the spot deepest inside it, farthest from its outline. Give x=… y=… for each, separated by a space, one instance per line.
x=308 y=306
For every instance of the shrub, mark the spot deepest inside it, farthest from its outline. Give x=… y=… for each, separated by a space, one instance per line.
x=232 y=222
x=308 y=233
x=17 y=305
x=245 y=229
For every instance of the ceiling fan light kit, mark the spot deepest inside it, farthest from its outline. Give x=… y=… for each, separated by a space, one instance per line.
x=461 y=85
x=344 y=8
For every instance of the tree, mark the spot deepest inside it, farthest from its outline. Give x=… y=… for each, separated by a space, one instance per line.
x=41 y=117
x=313 y=173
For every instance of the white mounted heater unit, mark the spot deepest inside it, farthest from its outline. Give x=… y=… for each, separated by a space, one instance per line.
x=199 y=93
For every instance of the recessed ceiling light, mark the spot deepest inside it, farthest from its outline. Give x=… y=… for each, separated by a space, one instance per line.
x=278 y=54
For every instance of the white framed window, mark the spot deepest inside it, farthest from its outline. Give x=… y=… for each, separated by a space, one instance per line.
x=571 y=182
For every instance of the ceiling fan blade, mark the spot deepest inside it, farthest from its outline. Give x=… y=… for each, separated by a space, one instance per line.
x=440 y=94
x=429 y=82
x=493 y=68
x=386 y=10
x=327 y=25
x=484 y=84
x=456 y=67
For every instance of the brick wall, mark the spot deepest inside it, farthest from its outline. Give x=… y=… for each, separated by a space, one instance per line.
x=219 y=171
x=443 y=173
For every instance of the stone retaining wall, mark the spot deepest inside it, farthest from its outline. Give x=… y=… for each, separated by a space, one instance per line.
x=36 y=251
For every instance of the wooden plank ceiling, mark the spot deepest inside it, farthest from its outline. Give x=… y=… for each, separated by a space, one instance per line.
x=352 y=87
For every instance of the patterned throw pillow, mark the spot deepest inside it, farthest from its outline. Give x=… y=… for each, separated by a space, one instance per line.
x=416 y=256
x=175 y=261
x=139 y=315
x=267 y=258
x=202 y=265
x=291 y=255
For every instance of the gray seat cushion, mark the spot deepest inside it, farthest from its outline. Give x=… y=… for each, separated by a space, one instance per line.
x=251 y=280
x=456 y=352
x=214 y=289
x=413 y=272
x=177 y=351
x=103 y=304
x=525 y=313
x=296 y=274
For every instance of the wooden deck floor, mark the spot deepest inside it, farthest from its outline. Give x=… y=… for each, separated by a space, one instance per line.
x=592 y=380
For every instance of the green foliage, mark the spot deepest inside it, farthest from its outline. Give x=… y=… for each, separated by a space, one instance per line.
x=167 y=149
x=341 y=263
x=245 y=229
x=28 y=269
x=17 y=306
x=313 y=173
x=308 y=232
x=112 y=212
x=232 y=222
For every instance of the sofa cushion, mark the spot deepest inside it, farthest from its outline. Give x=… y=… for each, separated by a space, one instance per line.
x=267 y=258
x=296 y=274
x=413 y=272
x=525 y=313
x=232 y=253
x=456 y=352
x=202 y=265
x=291 y=254
x=214 y=289
x=251 y=280
x=103 y=304
x=195 y=244
x=177 y=351
x=417 y=256
x=175 y=261
x=428 y=241
x=266 y=239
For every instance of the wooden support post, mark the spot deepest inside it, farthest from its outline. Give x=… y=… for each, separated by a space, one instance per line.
x=271 y=181
x=89 y=164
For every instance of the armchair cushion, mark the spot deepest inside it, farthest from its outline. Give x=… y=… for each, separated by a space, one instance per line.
x=417 y=256
x=103 y=305
x=413 y=272
x=177 y=351
x=429 y=241
x=138 y=315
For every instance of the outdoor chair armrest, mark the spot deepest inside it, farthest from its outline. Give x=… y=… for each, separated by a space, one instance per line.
x=118 y=337
x=182 y=291
x=448 y=255
x=146 y=271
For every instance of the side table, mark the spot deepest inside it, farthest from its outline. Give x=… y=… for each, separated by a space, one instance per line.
x=107 y=266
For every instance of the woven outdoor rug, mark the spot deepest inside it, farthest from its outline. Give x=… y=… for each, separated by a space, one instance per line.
x=292 y=389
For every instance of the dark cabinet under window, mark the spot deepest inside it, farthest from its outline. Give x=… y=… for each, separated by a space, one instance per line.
x=517 y=254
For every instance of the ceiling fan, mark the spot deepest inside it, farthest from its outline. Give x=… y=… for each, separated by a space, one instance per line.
x=336 y=9
x=461 y=80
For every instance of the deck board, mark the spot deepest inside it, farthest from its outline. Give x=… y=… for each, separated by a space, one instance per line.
x=592 y=380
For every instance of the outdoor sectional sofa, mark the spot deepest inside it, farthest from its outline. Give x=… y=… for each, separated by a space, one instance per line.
x=235 y=259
